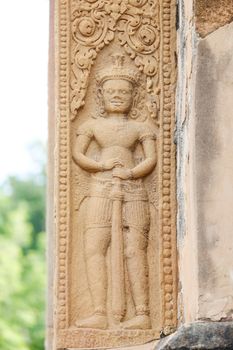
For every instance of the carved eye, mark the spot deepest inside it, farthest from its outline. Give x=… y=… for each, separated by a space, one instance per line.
x=124 y=92
x=109 y=91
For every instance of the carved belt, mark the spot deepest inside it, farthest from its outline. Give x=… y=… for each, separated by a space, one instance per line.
x=131 y=190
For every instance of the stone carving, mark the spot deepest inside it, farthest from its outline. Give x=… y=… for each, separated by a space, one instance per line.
x=118 y=207
x=94 y=24
x=127 y=202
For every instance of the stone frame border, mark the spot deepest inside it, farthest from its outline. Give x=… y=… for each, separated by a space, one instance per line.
x=168 y=167
x=62 y=165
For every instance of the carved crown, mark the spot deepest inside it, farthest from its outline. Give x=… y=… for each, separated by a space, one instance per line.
x=118 y=70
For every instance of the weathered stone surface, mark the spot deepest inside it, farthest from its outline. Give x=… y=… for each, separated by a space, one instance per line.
x=204 y=138
x=214 y=174
x=212 y=14
x=185 y=126
x=200 y=336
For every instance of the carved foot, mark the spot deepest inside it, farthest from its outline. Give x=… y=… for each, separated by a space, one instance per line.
x=95 y=321
x=138 y=322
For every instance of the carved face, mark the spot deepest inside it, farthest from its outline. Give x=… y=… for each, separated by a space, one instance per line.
x=117 y=96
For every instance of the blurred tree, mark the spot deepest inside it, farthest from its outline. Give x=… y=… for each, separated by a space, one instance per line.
x=22 y=262
x=32 y=191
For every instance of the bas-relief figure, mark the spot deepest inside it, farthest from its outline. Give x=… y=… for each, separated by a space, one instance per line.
x=118 y=214
x=115 y=192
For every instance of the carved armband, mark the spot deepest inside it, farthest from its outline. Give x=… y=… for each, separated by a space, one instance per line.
x=147 y=136
x=85 y=130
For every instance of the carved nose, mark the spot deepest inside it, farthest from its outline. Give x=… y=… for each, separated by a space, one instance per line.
x=116 y=94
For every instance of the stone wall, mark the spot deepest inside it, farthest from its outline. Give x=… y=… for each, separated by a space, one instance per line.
x=214 y=173
x=204 y=128
x=212 y=14
x=204 y=175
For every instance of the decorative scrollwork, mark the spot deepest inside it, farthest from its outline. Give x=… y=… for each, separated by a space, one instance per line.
x=140 y=38
x=92 y=29
x=140 y=35
x=95 y=23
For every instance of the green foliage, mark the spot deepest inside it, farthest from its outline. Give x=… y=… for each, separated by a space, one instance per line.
x=22 y=264
x=32 y=193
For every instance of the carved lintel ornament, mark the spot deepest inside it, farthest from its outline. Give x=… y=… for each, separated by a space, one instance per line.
x=115 y=190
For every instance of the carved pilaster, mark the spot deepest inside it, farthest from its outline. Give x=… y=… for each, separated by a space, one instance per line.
x=115 y=173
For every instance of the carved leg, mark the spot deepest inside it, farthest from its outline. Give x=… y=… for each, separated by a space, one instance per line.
x=96 y=244
x=136 y=257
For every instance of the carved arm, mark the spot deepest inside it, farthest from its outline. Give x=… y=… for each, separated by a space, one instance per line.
x=88 y=164
x=146 y=167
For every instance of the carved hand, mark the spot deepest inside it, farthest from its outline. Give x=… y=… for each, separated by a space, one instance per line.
x=111 y=163
x=122 y=173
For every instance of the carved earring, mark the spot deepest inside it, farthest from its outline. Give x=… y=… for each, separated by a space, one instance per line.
x=134 y=113
x=100 y=103
x=138 y=108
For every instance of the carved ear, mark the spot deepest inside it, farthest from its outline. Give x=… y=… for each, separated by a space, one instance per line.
x=99 y=91
x=135 y=91
x=100 y=102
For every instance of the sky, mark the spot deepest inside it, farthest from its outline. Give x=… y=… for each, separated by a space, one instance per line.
x=24 y=35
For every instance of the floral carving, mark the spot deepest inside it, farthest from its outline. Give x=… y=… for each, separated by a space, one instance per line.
x=140 y=38
x=92 y=29
x=95 y=23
